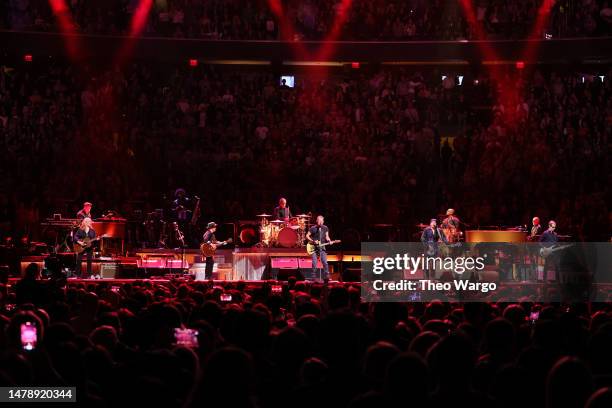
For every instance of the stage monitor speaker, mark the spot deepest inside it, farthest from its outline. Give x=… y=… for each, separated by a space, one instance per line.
x=351 y=275
x=130 y=271
x=284 y=267
x=305 y=267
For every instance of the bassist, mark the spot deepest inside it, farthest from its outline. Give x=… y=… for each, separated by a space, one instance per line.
x=319 y=234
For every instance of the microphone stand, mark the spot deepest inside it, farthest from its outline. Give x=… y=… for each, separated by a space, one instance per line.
x=181 y=238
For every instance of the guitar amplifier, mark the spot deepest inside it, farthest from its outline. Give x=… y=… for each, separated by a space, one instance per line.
x=109 y=270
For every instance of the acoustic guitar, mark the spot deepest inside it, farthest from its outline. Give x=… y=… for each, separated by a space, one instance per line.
x=87 y=243
x=311 y=248
x=208 y=249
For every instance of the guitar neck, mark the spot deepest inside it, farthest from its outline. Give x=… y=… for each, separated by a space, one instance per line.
x=329 y=243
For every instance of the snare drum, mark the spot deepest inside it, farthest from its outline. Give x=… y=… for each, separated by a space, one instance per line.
x=287 y=238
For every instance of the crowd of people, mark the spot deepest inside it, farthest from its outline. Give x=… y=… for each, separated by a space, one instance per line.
x=315 y=19
x=375 y=145
x=305 y=345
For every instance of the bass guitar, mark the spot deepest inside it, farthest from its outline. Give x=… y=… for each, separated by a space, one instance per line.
x=208 y=248
x=311 y=247
x=547 y=251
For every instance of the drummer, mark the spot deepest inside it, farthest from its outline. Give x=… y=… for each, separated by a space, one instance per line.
x=282 y=212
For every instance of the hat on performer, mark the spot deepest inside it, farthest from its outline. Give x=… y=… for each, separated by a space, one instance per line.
x=211 y=224
x=450 y=211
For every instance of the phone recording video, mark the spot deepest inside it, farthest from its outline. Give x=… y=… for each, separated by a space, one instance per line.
x=115 y=289
x=534 y=316
x=28 y=336
x=226 y=297
x=277 y=288
x=185 y=337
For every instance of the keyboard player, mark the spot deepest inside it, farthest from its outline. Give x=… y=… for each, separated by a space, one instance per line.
x=85 y=212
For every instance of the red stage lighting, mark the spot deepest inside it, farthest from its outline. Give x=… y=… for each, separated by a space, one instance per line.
x=27 y=58
x=355 y=65
x=193 y=62
x=520 y=64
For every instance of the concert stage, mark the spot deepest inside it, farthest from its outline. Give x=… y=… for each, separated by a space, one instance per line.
x=237 y=264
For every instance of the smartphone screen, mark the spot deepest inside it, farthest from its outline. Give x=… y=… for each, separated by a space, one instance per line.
x=115 y=289
x=226 y=297
x=277 y=288
x=186 y=337
x=28 y=336
x=534 y=316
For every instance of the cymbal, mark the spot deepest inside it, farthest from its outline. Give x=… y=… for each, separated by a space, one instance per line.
x=422 y=225
x=263 y=215
x=302 y=215
x=277 y=222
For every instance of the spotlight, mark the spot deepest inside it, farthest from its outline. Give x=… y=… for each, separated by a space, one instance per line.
x=27 y=58
x=520 y=64
x=602 y=77
x=355 y=65
x=193 y=63
x=547 y=36
x=460 y=79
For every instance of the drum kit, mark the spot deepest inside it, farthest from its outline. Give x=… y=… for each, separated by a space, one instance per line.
x=289 y=233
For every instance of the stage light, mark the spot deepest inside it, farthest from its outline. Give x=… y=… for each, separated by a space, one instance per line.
x=547 y=36
x=520 y=64
x=460 y=79
x=355 y=65
x=476 y=82
x=27 y=58
x=193 y=62
x=443 y=77
x=602 y=78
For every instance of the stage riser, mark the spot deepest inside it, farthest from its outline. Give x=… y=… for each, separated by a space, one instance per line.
x=230 y=264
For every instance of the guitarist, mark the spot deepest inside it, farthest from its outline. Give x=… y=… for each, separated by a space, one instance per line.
x=85 y=232
x=430 y=238
x=209 y=238
x=319 y=234
x=549 y=239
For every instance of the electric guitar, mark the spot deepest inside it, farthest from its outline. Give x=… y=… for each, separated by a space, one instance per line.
x=546 y=251
x=433 y=246
x=87 y=243
x=208 y=248
x=311 y=247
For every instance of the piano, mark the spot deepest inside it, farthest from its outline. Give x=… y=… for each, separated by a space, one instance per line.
x=495 y=236
x=113 y=228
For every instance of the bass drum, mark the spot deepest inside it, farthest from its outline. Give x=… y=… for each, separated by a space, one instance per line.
x=287 y=238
